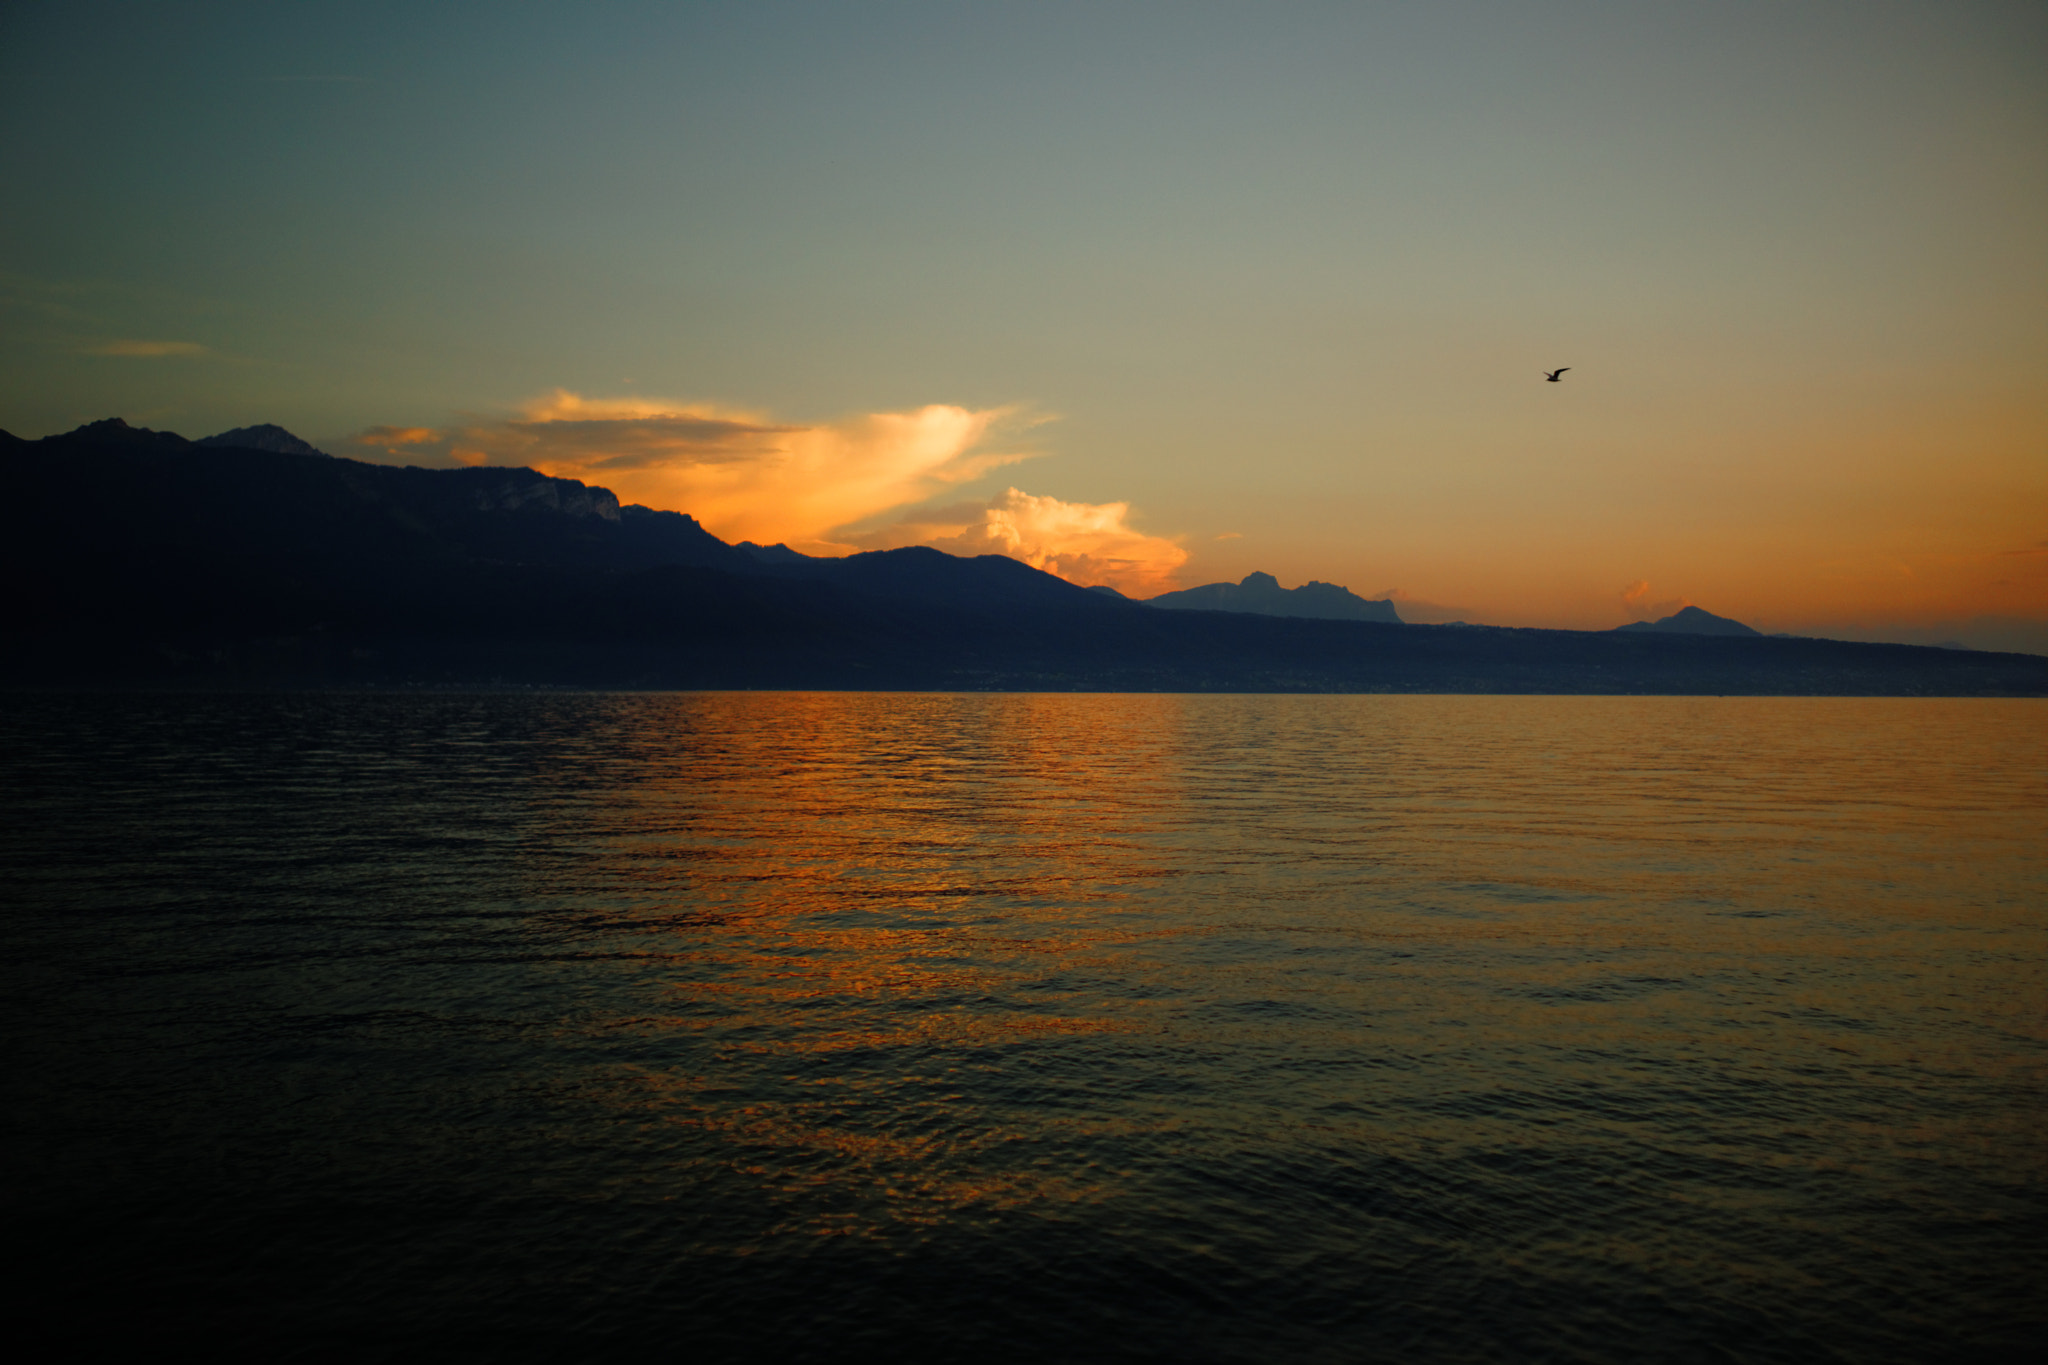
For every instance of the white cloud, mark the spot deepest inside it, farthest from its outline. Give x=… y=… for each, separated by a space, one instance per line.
x=1085 y=543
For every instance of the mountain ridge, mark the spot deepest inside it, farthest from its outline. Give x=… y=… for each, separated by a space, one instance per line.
x=1261 y=594
x=141 y=559
x=1692 y=621
x=264 y=436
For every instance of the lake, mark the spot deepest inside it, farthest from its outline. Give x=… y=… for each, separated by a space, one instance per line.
x=757 y=1026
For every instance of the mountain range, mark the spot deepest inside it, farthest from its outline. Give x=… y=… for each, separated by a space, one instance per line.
x=139 y=558
x=1261 y=594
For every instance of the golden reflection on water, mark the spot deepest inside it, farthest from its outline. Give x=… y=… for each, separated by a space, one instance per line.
x=915 y=932
x=1229 y=1028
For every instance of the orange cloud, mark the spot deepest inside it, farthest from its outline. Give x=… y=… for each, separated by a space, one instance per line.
x=744 y=477
x=389 y=439
x=1085 y=543
x=748 y=478
x=1635 y=600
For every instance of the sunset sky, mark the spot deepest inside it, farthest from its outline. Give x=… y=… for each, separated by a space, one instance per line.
x=1151 y=294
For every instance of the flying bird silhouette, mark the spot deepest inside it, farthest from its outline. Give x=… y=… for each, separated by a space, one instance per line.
x=1552 y=375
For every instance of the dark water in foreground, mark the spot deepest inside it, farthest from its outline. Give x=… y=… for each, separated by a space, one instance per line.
x=792 y=1027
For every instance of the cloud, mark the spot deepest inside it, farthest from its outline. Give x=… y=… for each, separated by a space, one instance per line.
x=389 y=439
x=1231 y=535
x=742 y=475
x=414 y=445
x=1635 y=600
x=811 y=487
x=147 y=348
x=1085 y=543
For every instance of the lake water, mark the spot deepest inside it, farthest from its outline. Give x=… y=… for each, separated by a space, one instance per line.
x=993 y=1027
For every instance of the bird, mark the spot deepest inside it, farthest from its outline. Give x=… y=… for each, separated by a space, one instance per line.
x=1552 y=375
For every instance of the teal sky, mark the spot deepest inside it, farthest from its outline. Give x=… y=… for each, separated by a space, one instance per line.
x=1282 y=273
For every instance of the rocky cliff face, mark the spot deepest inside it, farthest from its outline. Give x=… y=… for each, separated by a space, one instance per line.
x=514 y=490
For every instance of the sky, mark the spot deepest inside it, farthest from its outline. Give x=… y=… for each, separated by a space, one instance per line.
x=1146 y=294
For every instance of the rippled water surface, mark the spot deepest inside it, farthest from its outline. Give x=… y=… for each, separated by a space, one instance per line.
x=812 y=1027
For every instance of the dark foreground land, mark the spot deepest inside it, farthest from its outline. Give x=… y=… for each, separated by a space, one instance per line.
x=140 y=559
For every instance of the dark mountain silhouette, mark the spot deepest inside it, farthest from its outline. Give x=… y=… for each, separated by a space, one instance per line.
x=137 y=558
x=114 y=524
x=773 y=554
x=918 y=573
x=1262 y=594
x=264 y=437
x=111 y=433
x=1691 y=621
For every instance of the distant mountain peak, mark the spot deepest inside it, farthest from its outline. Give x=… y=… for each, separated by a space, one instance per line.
x=107 y=428
x=1691 y=621
x=113 y=432
x=1261 y=595
x=264 y=436
x=777 y=553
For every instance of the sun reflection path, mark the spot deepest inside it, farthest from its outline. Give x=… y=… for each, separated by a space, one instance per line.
x=773 y=1020
x=925 y=950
